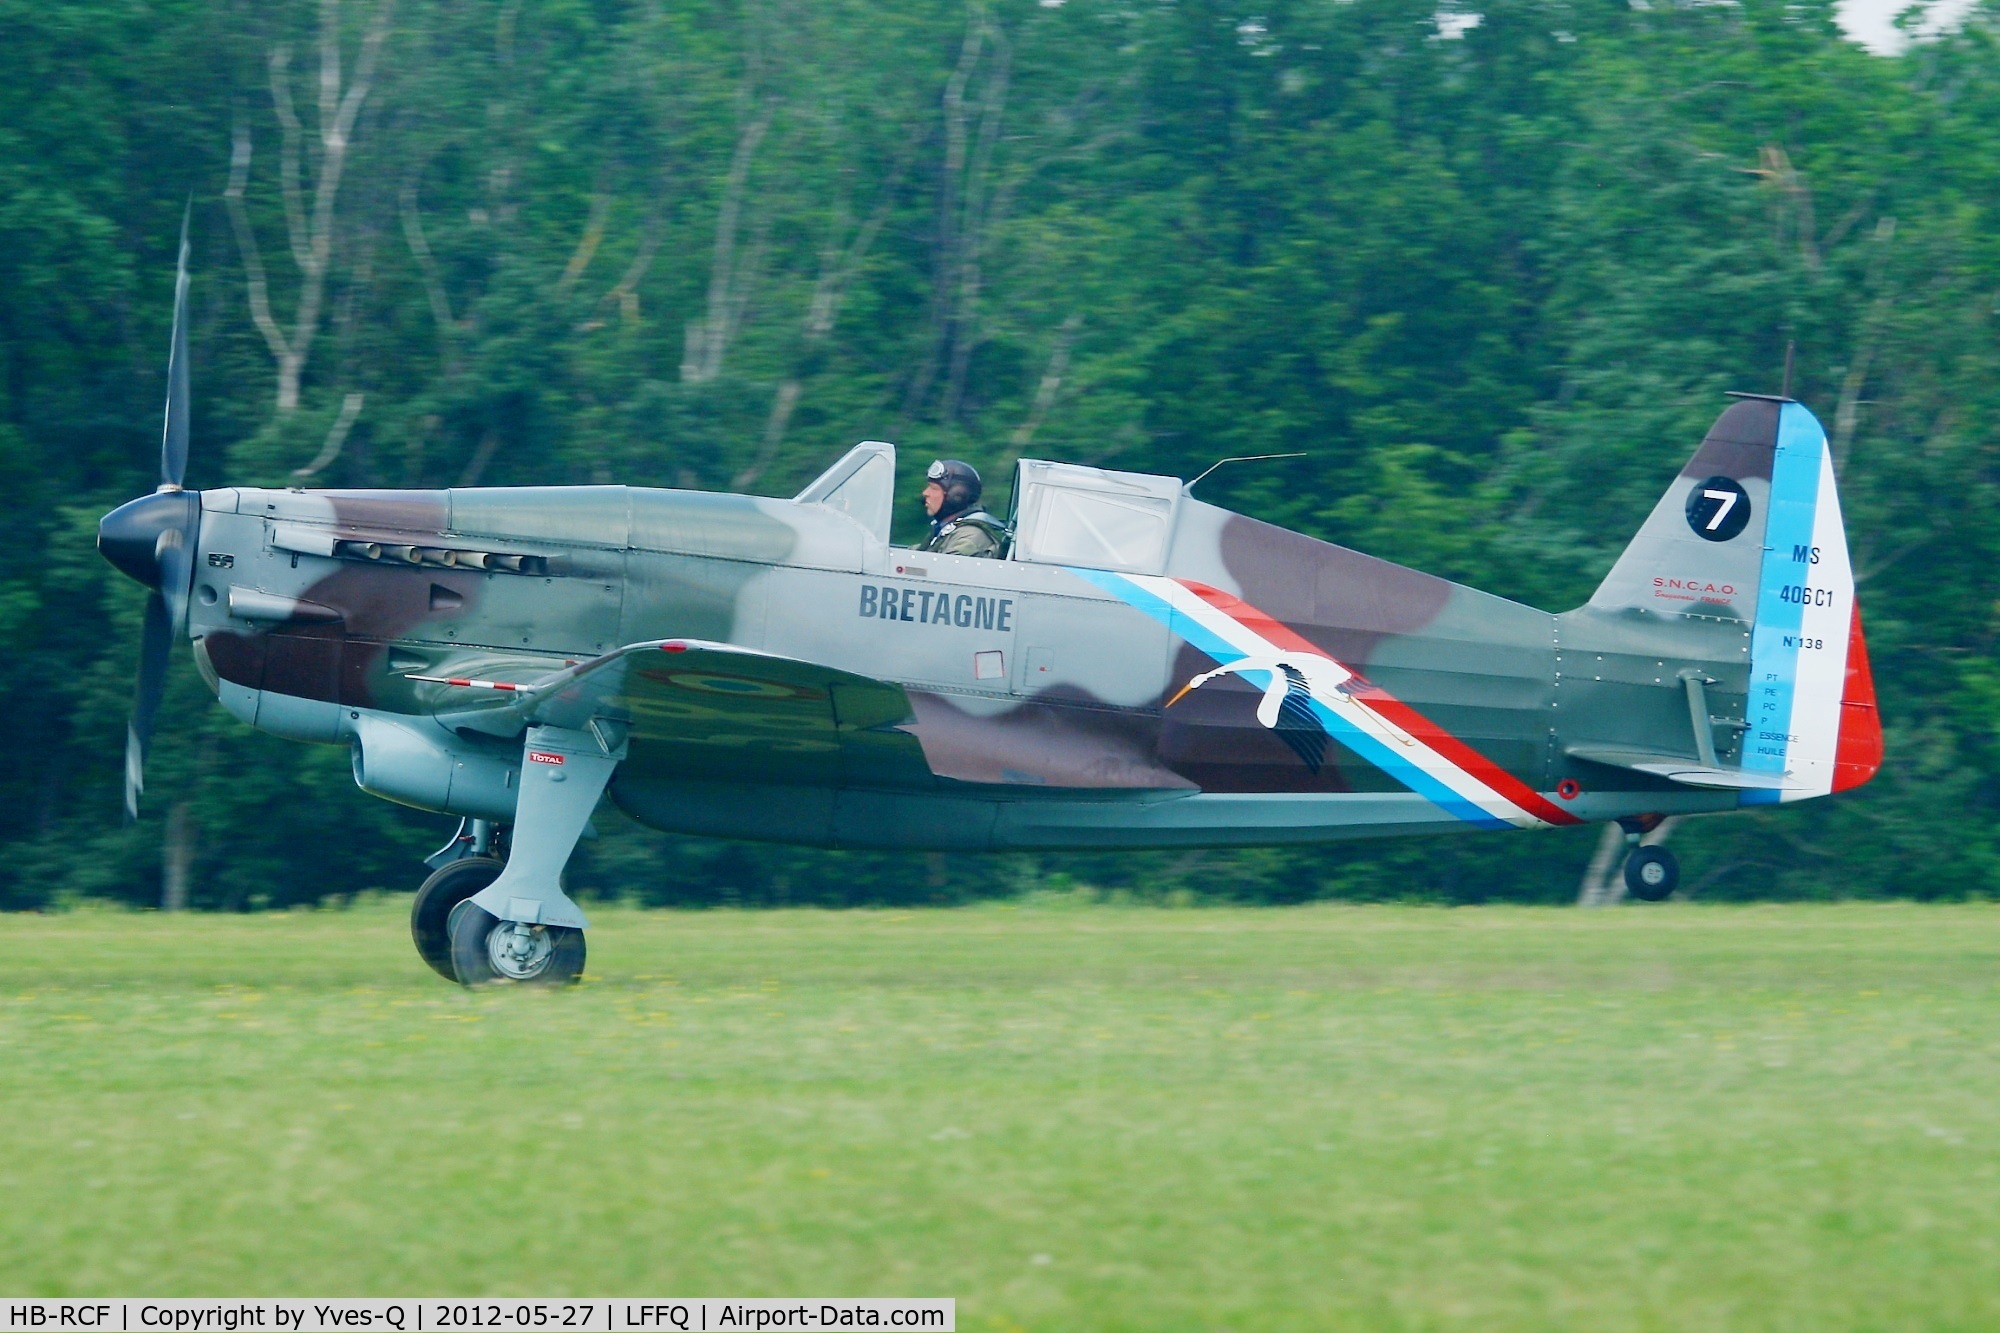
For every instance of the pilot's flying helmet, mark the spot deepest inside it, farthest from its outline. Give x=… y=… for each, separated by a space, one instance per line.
x=959 y=480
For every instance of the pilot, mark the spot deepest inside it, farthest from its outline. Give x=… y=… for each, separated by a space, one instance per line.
x=958 y=525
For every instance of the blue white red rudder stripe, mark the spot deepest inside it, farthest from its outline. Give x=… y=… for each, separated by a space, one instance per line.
x=1812 y=710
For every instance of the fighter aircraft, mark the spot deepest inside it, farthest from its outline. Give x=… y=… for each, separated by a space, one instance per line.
x=1139 y=669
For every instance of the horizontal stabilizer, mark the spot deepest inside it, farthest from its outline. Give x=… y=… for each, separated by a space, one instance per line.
x=1674 y=768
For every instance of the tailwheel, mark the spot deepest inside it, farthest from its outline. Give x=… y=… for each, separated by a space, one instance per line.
x=1651 y=873
x=430 y=914
x=487 y=951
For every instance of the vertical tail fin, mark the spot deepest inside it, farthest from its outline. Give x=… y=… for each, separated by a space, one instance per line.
x=1751 y=531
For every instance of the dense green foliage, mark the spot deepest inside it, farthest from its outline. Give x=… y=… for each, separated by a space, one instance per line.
x=1494 y=284
x=1700 y=1117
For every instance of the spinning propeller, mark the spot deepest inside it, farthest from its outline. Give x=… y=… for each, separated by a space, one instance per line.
x=152 y=539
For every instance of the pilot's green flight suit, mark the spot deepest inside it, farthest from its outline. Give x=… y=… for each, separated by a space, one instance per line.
x=973 y=533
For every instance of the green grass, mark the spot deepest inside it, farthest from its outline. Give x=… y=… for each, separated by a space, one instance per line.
x=1066 y=1117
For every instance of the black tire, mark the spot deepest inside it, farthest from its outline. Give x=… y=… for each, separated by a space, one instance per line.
x=477 y=936
x=430 y=914
x=1651 y=873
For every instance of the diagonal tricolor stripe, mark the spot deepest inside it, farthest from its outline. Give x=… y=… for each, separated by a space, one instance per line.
x=1369 y=721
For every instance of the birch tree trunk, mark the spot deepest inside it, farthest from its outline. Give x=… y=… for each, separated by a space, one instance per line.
x=841 y=259
x=308 y=228
x=177 y=857
x=729 y=279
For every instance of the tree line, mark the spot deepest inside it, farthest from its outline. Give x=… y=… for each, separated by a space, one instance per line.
x=1491 y=272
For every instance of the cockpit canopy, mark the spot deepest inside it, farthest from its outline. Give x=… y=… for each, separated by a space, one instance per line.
x=1062 y=514
x=1070 y=515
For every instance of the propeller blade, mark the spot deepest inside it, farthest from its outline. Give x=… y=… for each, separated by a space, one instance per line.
x=174 y=440
x=154 y=646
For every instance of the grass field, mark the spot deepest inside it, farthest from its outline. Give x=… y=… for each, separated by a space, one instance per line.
x=1064 y=1116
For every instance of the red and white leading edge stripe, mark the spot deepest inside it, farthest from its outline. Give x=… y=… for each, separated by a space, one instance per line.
x=468 y=684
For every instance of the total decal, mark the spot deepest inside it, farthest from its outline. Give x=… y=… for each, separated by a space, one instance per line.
x=1693 y=590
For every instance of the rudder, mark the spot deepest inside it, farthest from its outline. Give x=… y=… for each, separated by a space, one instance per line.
x=1812 y=698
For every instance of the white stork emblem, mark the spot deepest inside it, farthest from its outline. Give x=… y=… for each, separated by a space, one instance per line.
x=1295 y=680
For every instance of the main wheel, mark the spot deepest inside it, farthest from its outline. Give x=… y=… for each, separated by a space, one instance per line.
x=486 y=950
x=430 y=914
x=1651 y=873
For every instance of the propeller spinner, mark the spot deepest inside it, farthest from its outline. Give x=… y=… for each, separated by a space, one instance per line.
x=152 y=539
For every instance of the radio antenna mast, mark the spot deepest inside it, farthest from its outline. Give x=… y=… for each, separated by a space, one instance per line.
x=1247 y=458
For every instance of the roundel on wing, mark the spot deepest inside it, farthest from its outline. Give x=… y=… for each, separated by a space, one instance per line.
x=1717 y=509
x=738 y=685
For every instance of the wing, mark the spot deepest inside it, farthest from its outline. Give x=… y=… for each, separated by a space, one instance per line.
x=713 y=710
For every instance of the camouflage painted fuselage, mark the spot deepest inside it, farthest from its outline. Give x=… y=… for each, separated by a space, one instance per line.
x=1034 y=696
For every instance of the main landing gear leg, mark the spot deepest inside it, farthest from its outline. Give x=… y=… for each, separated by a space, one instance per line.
x=522 y=927
x=1651 y=873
